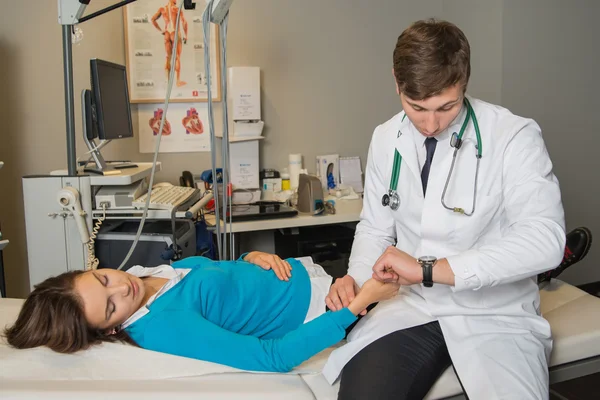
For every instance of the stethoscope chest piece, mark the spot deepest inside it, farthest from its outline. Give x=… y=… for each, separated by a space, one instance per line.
x=391 y=199
x=385 y=200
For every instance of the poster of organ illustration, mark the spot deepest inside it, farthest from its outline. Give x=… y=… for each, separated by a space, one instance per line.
x=185 y=128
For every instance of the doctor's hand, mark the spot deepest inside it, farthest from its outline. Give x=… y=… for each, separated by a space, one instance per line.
x=341 y=293
x=267 y=261
x=396 y=266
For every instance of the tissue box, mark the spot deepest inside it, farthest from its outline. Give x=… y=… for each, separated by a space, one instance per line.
x=328 y=170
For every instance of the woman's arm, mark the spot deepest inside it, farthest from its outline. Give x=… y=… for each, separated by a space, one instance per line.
x=187 y=333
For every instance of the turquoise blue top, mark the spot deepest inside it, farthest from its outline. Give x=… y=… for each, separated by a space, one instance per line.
x=237 y=314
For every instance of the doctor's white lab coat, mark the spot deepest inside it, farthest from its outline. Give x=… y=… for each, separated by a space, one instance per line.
x=498 y=342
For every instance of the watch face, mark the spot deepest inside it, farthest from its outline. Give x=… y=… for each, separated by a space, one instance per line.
x=428 y=259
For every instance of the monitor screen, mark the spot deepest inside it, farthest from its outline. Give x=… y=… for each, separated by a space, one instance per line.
x=111 y=99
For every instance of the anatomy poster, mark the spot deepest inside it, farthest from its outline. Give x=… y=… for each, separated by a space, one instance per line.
x=185 y=128
x=150 y=42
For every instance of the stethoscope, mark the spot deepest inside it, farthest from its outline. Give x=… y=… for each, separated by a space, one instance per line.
x=392 y=199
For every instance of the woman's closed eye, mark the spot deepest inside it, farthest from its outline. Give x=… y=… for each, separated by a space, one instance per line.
x=110 y=306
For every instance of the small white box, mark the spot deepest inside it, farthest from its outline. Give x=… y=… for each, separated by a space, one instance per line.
x=272 y=184
x=243 y=164
x=243 y=89
x=328 y=170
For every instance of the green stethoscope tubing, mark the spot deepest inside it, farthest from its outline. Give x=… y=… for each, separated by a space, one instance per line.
x=392 y=198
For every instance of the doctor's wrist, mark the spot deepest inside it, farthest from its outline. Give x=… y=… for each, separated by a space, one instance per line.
x=442 y=273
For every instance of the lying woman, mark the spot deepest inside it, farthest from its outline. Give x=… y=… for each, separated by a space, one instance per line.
x=251 y=314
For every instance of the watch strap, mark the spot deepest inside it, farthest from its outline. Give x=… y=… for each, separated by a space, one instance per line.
x=427 y=274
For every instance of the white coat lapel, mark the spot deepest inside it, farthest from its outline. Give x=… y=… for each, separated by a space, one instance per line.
x=405 y=144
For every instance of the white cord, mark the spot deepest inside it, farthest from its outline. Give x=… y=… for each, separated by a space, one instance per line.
x=211 y=123
x=92 y=260
x=159 y=136
x=226 y=159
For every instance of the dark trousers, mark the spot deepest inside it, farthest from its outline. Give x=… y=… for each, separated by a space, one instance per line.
x=402 y=365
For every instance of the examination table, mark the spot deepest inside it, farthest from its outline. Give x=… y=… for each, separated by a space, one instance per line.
x=119 y=371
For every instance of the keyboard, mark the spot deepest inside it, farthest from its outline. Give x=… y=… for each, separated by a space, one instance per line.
x=168 y=197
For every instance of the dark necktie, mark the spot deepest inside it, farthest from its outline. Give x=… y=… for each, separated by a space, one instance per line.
x=430 y=144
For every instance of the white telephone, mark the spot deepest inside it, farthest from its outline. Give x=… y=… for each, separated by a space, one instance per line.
x=68 y=198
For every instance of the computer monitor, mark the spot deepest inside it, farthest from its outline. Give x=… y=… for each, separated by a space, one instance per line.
x=111 y=100
x=106 y=111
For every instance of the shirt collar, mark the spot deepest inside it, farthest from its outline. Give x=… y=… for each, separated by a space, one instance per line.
x=162 y=271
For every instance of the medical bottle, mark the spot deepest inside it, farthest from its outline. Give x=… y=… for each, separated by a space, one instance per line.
x=285 y=180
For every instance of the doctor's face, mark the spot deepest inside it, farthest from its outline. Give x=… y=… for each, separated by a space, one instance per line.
x=109 y=296
x=433 y=115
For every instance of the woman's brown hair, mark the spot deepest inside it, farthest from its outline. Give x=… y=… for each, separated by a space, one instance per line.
x=53 y=316
x=431 y=56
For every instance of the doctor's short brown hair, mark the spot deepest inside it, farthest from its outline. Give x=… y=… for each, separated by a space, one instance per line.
x=431 y=56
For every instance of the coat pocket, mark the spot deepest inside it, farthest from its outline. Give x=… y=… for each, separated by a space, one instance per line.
x=465 y=231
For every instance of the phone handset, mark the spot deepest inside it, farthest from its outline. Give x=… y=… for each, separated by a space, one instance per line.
x=69 y=199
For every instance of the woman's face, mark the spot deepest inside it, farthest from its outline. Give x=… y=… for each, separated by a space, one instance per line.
x=109 y=296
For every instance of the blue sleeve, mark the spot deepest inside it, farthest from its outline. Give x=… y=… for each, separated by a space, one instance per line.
x=186 y=333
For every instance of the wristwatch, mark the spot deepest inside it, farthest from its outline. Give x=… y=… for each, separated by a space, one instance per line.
x=427 y=263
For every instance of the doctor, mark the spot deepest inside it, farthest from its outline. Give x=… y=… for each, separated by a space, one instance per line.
x=461 y=207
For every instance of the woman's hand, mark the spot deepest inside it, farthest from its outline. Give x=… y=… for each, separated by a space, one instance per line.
x=379 y=291
x=373 y=291
x=270 y=261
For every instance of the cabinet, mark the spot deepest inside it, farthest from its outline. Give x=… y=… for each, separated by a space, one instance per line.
x=329 y=245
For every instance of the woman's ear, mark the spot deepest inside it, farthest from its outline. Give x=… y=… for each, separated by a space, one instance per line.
x=113 y=331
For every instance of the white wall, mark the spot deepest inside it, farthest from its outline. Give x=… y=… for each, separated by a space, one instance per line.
x=551 y=67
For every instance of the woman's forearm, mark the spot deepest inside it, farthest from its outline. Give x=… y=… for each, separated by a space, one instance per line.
x=360 y=302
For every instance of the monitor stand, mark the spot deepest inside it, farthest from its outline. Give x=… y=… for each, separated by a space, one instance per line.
x=102 y=167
